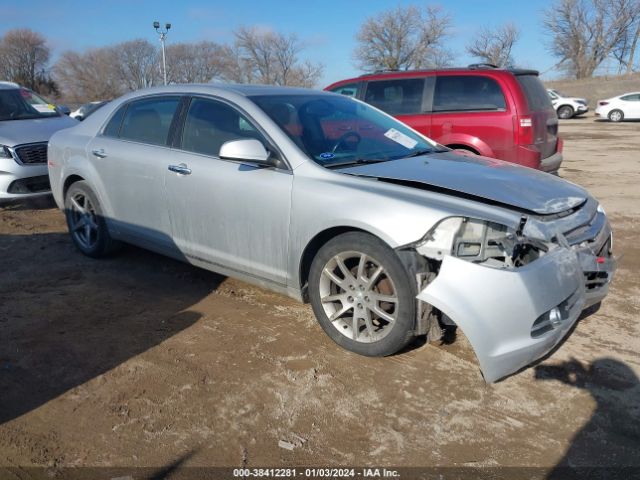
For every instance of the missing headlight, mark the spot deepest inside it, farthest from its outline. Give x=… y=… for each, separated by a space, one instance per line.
x=480 y=241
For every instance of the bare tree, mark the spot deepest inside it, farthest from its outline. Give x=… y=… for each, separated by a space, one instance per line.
x=625 y=51
x=494 y=45
x=137 y=64
x=24 y=56
x=271 y=58
x=632 y=49
x=403 y=38
x=195 y=62
x=585 y=32
x=92 y=75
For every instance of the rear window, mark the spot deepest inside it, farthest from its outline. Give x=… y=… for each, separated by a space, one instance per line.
x=149 y=120
x=459 y=93
x=350 y=90
x=536 y=94
x=397 y=96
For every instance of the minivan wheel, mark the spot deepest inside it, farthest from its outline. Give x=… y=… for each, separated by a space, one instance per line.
x=565 y=112
x=616 y=115
x=86 y=224
x=362 y=295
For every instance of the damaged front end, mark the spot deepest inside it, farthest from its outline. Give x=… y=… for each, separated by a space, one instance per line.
x=514 y=296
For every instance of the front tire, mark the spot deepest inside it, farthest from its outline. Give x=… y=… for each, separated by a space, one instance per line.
x=362 y=295
x=565 y=112
x=616 y=115
x=86 y=223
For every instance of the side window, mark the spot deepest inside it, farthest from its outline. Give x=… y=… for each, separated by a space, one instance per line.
x=149 y=120
x=350 y=90
x=209 y=124
x=461 y=93
x=631 y=98
x=113 y=127
x=397 y=96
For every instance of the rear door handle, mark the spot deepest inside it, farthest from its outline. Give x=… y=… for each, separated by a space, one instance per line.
x=99 y=152
x=181 y=169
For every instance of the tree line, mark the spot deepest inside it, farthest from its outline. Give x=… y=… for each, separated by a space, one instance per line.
x=581 y=34
x=255 y=56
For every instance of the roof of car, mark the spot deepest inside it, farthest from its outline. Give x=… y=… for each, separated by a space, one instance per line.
x=8 y=85
x=480 y=68
x=244 y=90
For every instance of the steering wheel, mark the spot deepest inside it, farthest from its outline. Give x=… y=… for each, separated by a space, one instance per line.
x=343 y=137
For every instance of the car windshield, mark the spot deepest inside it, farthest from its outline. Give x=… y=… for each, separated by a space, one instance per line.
x=23 y=104
x=336 y=130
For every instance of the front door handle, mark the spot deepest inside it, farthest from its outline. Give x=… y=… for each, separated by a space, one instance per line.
x=181 y=169
x=99 y=152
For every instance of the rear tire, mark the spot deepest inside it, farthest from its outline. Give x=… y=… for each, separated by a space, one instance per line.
x=362 y=295
x=616 y=115
x=565 y=112
x=86 y=223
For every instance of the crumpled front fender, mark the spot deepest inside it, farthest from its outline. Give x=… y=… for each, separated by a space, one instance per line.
x=496 y=308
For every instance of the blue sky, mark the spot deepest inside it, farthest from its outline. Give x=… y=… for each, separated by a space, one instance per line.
x=328 y=26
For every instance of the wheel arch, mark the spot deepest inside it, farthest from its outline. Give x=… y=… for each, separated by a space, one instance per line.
x=467 y=142
x=312 y=248
x=70 y=180
x=456 y=146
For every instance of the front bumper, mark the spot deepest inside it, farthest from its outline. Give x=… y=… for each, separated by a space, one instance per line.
x=503 y=311
x=20 y=181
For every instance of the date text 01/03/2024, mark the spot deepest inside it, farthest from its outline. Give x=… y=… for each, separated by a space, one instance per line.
x=315 y=473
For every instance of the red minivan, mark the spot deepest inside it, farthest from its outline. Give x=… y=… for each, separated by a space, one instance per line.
x=484 y=110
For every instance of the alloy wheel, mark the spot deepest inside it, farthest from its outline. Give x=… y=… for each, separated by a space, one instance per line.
x=83 y=221
x=358 y=296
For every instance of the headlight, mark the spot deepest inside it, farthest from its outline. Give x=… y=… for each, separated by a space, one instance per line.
x=4 y=152
x=479 y=241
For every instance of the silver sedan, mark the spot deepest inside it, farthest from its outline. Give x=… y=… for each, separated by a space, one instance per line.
x=328 y=200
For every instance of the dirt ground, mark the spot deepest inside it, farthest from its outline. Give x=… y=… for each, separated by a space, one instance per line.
x=139 y=360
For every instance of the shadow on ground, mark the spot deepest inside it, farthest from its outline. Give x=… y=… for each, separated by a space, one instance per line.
x=85 y=316
x=608 y=446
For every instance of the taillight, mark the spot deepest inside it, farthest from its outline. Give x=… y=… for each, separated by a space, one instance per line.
x=525 y=130
x=603 y=103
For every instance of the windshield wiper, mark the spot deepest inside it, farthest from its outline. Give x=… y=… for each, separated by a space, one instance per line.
x=359 y=161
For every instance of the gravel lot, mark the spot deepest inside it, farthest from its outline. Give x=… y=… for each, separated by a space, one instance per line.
x=139 y=360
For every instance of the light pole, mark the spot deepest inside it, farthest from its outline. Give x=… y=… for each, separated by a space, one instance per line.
x=163 y=34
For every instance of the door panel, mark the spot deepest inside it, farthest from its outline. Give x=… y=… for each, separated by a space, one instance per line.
x=227 y=213
x=472 y=110
x=132 y=179
x=231 y=214
x=130 y=159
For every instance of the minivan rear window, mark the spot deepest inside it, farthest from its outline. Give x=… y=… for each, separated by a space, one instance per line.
x=465 y=93
x=537 y=96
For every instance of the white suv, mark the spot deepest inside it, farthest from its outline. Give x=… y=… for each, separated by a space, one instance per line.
x=567 y=107
x=26 y=123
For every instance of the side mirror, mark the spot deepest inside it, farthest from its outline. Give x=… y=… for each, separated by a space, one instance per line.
x=245 y=149
x=63 y=109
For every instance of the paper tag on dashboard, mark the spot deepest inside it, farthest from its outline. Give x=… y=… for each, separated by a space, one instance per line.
x=400 y=138
x=42 y=108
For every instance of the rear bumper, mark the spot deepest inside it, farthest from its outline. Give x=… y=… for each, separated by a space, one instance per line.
x=515 y=316
x=551 y=164
x=530 y=156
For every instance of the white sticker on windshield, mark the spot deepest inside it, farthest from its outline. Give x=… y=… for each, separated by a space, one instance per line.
x=42 y=108
x=400 y=138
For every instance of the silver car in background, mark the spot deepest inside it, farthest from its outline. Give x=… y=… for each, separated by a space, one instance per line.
x=26 y=123
x=327 y=199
